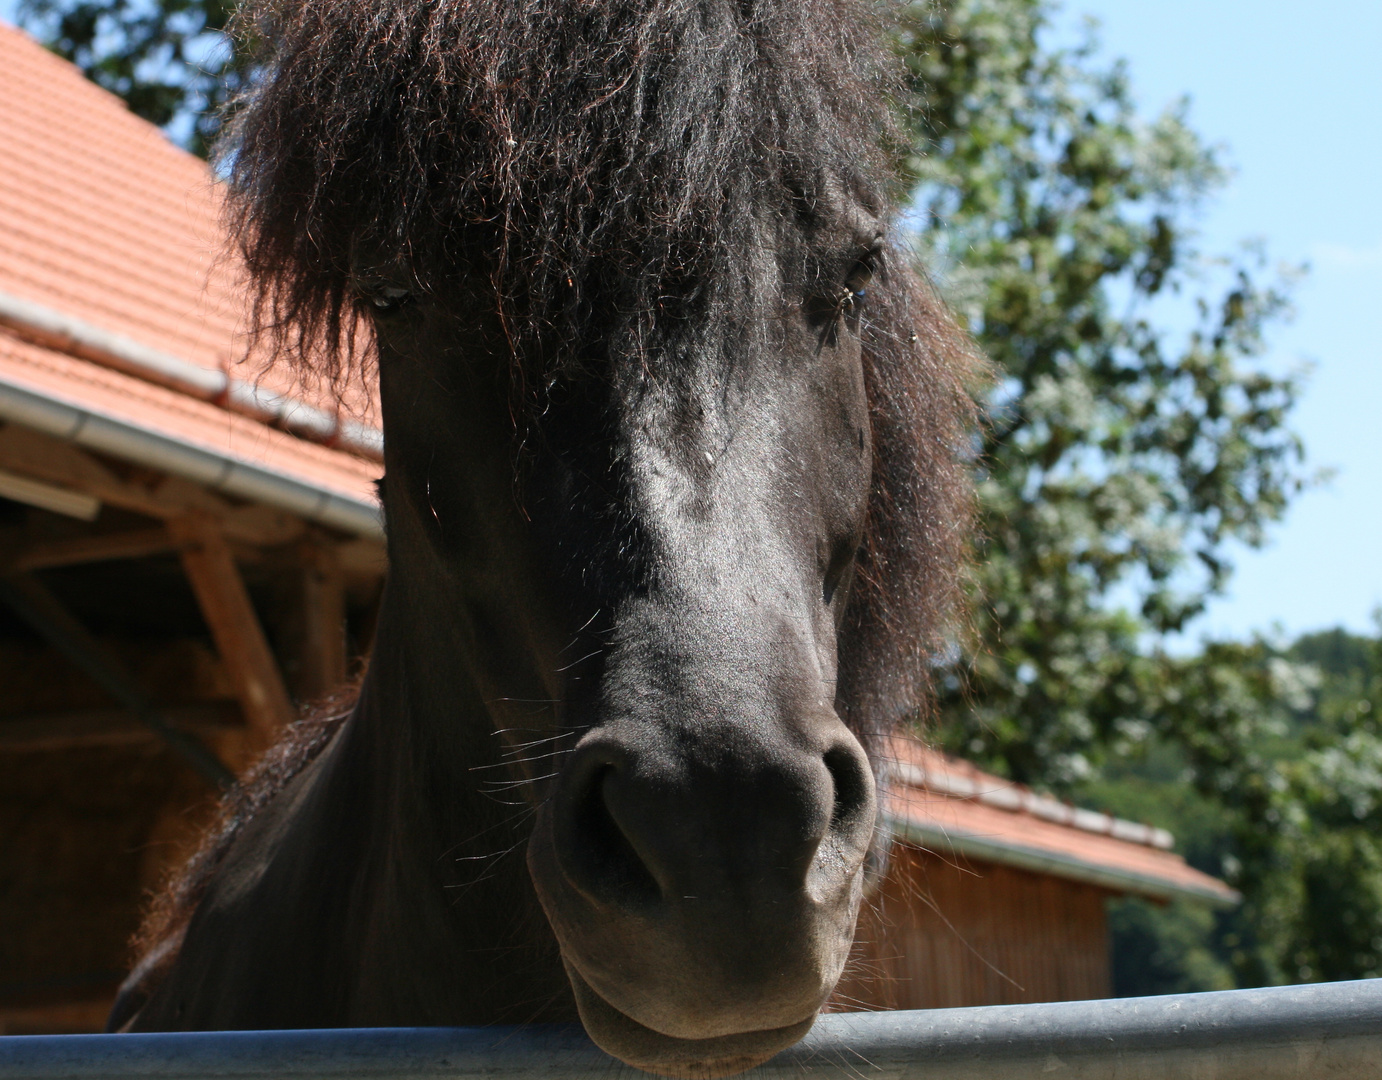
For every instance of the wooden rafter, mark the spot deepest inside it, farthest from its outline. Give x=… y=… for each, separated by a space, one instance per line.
x=235 y=627
x=200 y=525
x=74 y=551
x=29 y=599
x=212 y=722
x=158 y=496
x=320 y=637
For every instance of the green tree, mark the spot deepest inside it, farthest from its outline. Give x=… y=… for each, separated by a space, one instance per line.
x=1330 y=895
x=1120 y=458
x=1287 y=803
x=1120 y=463
x=169 y=59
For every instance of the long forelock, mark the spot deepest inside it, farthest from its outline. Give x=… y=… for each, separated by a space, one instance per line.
x=617 y=156
x=616 y=160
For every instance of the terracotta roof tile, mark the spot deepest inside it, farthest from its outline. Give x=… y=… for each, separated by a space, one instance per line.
x=102 y=217
x=104 y=220
x=984 y=817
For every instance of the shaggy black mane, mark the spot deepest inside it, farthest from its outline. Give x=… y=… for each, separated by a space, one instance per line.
x=610 y=170
x=616 y=157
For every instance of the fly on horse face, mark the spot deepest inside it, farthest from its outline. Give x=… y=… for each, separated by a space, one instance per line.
x=675 y=496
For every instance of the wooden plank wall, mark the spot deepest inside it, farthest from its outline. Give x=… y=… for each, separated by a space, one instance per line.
x=93 y=808
x=220 y=631
x=943 y=933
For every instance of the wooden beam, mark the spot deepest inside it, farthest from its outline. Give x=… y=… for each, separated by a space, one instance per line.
x=362 y=558
x=235 y=627
x=80 y=1017
x=50 y=497
x=31 y=453
x=131 y=544
x=321 y=615
x=111 y=727
x=31 y=601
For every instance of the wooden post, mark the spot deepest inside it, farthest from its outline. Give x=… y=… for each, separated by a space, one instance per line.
x=321 y=645
x=225 y=604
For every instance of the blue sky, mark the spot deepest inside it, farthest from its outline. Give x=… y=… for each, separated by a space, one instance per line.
x=1294 y=94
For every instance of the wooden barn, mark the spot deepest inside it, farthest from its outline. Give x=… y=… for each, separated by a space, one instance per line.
x=995 y=895
x=190 y=549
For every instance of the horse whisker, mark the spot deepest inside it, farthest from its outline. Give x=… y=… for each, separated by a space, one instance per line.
x=582 y=660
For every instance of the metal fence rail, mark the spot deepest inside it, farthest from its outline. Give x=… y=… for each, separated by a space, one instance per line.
x=1331 y=1031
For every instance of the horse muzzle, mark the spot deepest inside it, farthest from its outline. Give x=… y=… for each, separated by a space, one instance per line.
x=703 y=885
x=687 y=1059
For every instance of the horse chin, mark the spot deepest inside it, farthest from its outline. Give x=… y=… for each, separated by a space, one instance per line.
x=666 y=1055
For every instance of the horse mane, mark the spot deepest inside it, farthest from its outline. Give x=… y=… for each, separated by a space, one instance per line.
x=616 y=157
x=613 y=155
x=170 y=908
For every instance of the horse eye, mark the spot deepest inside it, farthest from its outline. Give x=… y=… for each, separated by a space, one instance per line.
x=857 y=281
x=390 y=297
x=863 y=271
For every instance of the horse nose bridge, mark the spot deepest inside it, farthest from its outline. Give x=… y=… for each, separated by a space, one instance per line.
x=726 y=644
x=717 y=751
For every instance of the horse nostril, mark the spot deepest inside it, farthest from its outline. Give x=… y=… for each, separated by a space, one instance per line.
x=853 y=783
x=607 y=865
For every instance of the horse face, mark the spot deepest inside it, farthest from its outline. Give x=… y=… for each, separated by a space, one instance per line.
x=680 y=544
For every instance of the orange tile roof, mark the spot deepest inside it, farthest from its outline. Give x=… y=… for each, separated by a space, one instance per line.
x=102 y=217
x=106 y=222
x=194 y=424
x=951 y=807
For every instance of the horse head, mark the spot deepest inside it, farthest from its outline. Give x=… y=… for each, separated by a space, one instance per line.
x=674 y=455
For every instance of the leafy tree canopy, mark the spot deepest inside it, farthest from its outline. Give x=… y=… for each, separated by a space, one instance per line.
x=169 y=59
x=1120 y=459
x=1293 y=818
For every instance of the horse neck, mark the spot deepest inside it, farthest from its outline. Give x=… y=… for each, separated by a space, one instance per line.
x=442 y=855
x=425 y=728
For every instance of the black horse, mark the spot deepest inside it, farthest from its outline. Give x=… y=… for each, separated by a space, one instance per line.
x=676 y=499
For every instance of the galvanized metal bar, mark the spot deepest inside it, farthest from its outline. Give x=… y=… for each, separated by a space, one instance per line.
x=1330 y=1030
